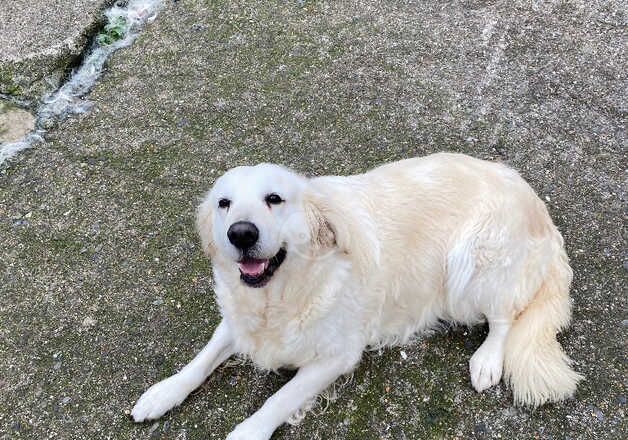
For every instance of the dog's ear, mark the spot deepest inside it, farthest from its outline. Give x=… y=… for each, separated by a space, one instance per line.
x=322 y=235
x=337 y=219
x=204 y=215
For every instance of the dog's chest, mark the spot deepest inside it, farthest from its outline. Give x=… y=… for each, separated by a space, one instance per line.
x=273 y=333
x=292 y=321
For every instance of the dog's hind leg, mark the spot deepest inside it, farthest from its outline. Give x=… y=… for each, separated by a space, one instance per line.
x=487 y=362
x=170 y=392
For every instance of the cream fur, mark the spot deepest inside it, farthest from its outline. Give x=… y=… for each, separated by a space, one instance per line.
x=375 y=258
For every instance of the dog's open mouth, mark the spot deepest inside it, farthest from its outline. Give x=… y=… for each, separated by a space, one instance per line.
x=256 y=272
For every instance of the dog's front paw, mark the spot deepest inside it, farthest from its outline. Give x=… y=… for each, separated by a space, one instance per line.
x=486 y=367
x=159 y=398
x=249 y=430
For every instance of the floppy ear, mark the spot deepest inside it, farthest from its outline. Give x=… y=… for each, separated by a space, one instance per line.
x=204 y=225
x=322 y=235
x=338 y=219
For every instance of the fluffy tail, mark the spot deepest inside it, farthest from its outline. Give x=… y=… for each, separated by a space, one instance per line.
x=535 y=365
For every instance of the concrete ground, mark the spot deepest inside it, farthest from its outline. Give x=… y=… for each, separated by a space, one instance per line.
x=105 y=289
x=41 y=40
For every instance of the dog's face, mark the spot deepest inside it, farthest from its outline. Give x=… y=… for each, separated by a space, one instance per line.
x=254 y=219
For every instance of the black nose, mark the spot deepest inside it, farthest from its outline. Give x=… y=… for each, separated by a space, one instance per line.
x=243 y=235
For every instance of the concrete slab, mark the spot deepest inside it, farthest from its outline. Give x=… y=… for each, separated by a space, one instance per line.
x=105 y=289
x=39 y=40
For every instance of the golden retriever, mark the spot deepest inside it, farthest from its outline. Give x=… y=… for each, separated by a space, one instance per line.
x=309 y=272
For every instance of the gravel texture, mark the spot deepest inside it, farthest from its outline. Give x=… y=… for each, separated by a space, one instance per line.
x=105 y=289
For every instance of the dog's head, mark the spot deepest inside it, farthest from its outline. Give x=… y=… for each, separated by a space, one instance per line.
x=258 y=217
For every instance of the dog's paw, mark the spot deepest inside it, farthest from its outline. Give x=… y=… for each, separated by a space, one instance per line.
x=486 y=367
x=159 y=398
x=248 y=430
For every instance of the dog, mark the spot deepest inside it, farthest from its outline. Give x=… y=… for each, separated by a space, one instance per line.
x=310 y=272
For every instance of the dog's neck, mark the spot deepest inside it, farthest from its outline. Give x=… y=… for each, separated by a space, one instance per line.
x=298 y=296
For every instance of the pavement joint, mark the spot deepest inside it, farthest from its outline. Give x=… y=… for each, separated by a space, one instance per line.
x=124 y=22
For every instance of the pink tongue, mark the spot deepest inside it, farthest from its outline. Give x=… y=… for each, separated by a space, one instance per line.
x=253 y=267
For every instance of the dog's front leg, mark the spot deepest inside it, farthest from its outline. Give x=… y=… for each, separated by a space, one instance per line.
x=170 y=392
x=309 y=381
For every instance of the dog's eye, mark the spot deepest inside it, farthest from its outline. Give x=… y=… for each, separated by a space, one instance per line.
x=224 y=203
x=273 y=199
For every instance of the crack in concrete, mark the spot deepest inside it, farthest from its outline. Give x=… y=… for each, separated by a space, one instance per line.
x=68 y=99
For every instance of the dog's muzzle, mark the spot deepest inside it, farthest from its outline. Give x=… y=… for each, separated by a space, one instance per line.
x=256 y=272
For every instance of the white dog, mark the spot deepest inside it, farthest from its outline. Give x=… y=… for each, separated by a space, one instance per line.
x=310 y=272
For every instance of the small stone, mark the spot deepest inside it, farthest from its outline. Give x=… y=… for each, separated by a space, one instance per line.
x=158 y=302
x=597 y=412
x=479 y=428
x=625 y=323
x=403 y=354
x=66 y=400
x=89 y=322
x=46 y=122
x=469 y=344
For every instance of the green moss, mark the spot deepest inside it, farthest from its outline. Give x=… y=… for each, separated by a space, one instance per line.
x=8 y=85
x=114 y=31
x=367 y=403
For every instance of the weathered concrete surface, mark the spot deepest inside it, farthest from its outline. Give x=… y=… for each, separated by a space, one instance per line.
x=105 y=290
x=40 y=39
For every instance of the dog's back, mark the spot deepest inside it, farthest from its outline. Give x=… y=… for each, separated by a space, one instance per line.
x=451 y=237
